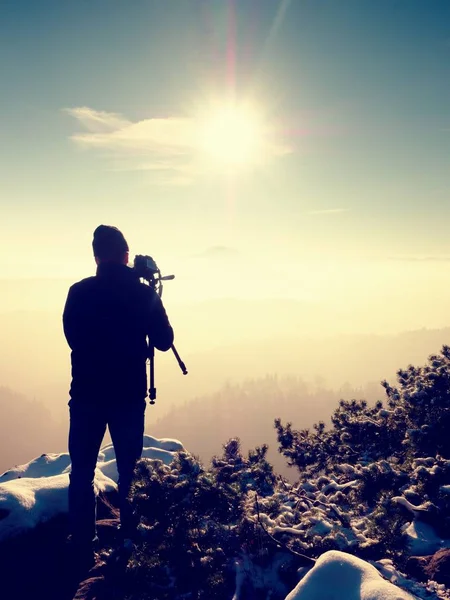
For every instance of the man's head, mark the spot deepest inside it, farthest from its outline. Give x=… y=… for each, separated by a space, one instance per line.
x=109 y=245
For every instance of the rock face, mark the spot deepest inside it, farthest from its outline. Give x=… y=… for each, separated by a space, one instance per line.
x=416 y=567
x=35 y=560
x=89 y=589
x=435 y=567
x=438 y=568
x=36 y=563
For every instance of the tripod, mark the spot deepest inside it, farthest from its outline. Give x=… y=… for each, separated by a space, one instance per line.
x=148 y=270
x=152 y=388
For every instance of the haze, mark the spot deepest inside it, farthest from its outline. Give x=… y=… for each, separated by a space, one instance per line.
x=288 y=161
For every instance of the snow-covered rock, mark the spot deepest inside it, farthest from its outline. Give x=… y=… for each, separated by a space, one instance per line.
x=45 y=465
x=109 y=467
x=168 y=444
x=422 y=539
x=37 y=491
x=340 y=576
x=27 y=501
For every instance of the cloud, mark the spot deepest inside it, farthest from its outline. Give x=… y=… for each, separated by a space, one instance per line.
x=327 y=211
x=278 y=21
x=97 y=121
x=167 y=147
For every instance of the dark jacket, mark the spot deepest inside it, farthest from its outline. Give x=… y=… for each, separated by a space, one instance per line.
x=107 y=319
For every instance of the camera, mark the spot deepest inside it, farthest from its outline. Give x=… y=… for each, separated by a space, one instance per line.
x=145 y=266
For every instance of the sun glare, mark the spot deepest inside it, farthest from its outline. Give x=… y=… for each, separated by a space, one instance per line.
x=232 y=136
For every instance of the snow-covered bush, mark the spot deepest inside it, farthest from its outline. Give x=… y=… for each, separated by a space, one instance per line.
x=373 y=485
x=394 y=456
x=420 y=406
x=193 y=522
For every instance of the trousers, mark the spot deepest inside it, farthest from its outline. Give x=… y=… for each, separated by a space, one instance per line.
x=88 y=422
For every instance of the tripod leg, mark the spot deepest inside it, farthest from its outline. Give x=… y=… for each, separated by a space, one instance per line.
x=180 y=362
x=152 y=389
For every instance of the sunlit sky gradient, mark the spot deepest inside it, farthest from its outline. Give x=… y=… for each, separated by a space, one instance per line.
x=101 y=109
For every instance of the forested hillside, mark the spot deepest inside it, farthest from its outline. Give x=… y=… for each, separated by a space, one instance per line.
x=248 y=410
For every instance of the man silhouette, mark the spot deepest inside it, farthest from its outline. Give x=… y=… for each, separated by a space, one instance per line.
x=107 y=320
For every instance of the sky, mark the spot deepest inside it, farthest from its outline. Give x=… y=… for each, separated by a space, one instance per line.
x=255 y=148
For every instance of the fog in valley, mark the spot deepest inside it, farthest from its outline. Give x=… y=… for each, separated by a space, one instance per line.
x=249 y=361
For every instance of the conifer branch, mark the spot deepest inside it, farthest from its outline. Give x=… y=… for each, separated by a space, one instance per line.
x=277 y=542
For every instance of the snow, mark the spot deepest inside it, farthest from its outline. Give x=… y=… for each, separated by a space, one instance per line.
x=317 y=520
x=336 y=487
x=37 y=491
x=48 y=464
x=422 y=539
x=109 y=467
x=415 y=510
x=338 y=576
x=313 y=512
x=321 y=527
x=387 y=569
x=26 y=502
x=168 y=444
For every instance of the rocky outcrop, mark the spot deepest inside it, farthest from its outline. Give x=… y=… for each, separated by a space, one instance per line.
x=37 y=564
x=435 y=567
x=438 y=568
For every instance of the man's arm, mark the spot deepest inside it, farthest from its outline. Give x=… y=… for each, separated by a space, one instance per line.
x=159 y=330
x=70 y=318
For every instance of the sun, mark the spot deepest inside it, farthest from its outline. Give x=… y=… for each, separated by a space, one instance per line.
x=232 y=136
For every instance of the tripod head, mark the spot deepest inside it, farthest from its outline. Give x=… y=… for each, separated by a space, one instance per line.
x=147 y=269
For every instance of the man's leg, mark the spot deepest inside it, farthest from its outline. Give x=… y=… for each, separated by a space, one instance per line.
x=87 y=428
x=126 y=425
